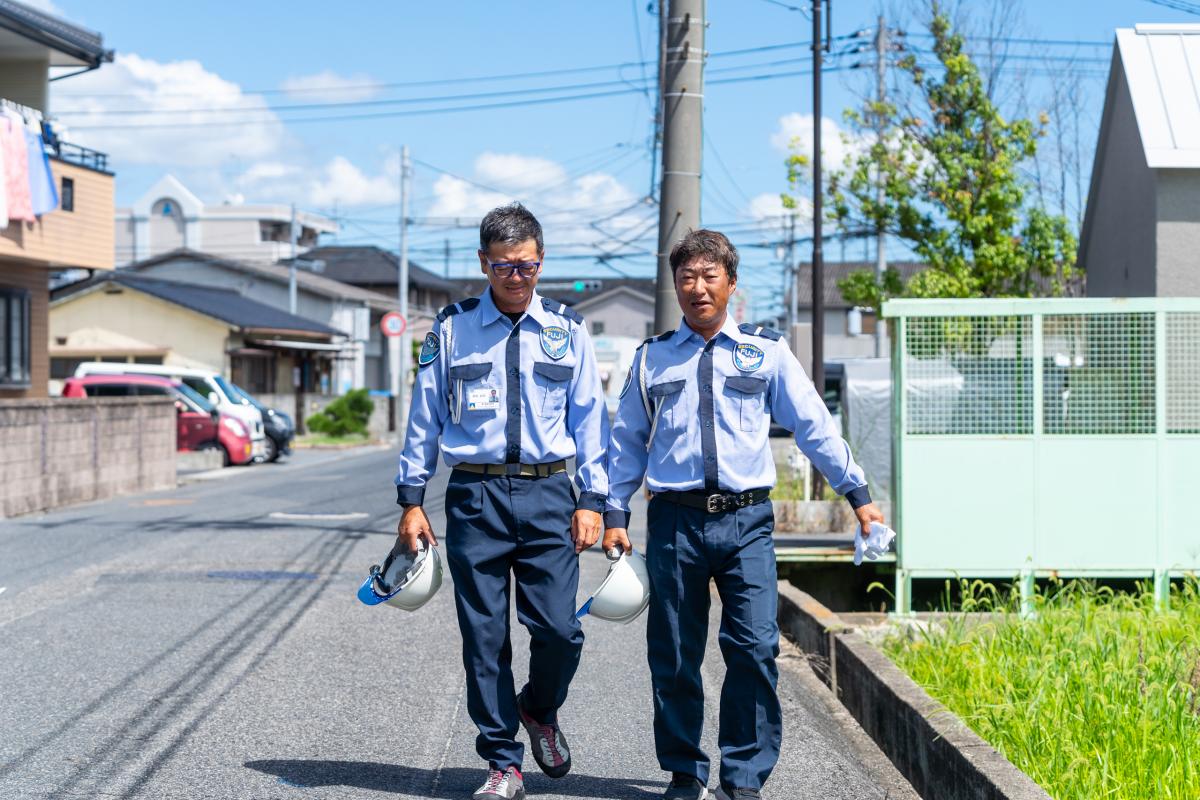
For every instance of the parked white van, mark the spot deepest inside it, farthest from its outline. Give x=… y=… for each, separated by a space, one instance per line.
x=208 y=384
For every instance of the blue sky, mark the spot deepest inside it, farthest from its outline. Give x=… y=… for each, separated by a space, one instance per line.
x=582 y=165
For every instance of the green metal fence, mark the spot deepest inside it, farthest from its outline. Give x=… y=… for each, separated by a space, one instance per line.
x=1038 y=437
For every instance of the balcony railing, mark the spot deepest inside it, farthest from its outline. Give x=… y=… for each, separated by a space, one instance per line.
x=81 y=156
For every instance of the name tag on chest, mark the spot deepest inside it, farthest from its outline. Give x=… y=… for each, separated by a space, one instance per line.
x=484 y=399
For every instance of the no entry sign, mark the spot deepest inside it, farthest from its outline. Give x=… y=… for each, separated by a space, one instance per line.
x=392 y=324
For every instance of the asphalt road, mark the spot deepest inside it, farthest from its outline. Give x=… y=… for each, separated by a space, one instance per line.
x=206 y=643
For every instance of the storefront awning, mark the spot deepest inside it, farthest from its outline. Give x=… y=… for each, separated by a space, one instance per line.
x=297 y=344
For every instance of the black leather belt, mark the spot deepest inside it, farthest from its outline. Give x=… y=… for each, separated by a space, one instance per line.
x=523 y=470
x=715 y=503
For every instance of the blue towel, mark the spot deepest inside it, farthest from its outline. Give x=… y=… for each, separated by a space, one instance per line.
x=42 y=191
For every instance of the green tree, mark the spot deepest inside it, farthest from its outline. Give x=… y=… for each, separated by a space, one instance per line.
x=953 y=191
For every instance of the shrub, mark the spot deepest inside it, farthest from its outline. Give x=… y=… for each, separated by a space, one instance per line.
x=344 y=416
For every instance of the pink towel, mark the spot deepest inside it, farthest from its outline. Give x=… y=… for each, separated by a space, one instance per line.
x=16 y=172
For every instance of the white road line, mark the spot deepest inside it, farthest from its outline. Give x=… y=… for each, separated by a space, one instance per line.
x=288 y=515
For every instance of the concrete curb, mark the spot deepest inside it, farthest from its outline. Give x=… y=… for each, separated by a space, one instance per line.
x=933 y=749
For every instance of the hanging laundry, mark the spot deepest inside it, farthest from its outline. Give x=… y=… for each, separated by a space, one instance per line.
x=16 y=166
x=42 y=189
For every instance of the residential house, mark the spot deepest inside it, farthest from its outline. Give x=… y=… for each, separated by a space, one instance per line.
x=127 y=317
x=378 y=270
x=73 y=229
x=1141 y=230
x=169 y=217
x=273 y=366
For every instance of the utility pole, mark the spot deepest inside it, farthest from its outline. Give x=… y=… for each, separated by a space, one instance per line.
x=402 y=289
x=446 y=258
x=292 y=263
x=881 y=48
x=821 y=41
x=658 y=105
x=682 y=96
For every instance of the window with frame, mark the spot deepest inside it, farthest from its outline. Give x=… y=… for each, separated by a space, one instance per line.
x=66 y=195
x=14 y=337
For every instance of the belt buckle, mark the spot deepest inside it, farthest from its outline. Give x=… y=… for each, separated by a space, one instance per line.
x=714 y=503
x=512 y=469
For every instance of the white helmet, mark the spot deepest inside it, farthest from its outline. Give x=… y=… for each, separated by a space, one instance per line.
x=406 y=580
x=625 y=591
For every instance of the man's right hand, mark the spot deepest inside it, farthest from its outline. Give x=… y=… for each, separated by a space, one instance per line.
x=614 y=537
x=414 y=525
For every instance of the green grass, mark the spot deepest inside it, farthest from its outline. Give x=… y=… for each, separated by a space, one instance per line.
x=324 y=440
x=1094 y=697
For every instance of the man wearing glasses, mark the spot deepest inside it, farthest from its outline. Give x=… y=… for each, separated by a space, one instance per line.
x=507 y=387
x=693 y=421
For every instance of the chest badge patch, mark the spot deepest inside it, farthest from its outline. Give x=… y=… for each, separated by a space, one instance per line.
x=430 y=349
x=748 y=357
x=555 y=341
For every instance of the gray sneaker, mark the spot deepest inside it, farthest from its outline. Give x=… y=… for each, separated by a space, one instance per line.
x=737 y=794
x=508 y=785
x=685 y=787
x=548 y=744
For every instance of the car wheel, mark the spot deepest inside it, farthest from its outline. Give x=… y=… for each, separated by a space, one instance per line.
x=271 y=450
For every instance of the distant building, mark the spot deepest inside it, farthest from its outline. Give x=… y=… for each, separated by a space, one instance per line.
x=1141 y=231
x=169 y=217
x=284 y=365
x=849 y=331
x=378 y=270
x=126 y=317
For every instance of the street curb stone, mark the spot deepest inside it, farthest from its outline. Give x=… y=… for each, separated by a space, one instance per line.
x=933 y=749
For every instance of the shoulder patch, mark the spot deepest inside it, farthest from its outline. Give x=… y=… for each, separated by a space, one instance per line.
x=431 y=348
x=457 y=308
x=562 y=309
x=758 y=330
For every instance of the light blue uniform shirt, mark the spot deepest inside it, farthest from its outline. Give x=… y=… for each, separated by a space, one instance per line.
x=492 y=393
x=711 y=405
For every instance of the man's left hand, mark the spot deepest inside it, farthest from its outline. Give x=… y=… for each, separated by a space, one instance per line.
x=866 y=515
x=585 y=529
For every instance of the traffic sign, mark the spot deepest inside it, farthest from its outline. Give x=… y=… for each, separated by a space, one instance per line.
x=392 y=324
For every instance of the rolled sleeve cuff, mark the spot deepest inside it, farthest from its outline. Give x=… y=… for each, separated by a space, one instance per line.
x=410 y=495
x=615 y=518
x=858 y=497
x=591 y=501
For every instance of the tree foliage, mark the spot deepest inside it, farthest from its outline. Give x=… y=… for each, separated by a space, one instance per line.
x=953 y=190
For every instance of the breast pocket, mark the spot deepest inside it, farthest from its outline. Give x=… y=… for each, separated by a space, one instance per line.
x=474 y=390
x=667 y=401
x=552 y=381
x=748 y=397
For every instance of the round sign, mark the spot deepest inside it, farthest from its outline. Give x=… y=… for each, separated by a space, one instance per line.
x=392 y=324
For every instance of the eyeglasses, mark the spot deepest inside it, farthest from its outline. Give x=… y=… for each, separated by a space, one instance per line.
x=526 y=269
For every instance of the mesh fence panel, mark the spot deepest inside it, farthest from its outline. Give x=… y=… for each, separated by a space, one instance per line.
x=1098 y=373
x=1183 y=372
x=968 y=376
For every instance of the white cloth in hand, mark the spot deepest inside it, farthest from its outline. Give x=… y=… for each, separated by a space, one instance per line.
x=874 y=545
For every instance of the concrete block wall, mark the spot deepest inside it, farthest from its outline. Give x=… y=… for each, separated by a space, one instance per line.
x=58 y=451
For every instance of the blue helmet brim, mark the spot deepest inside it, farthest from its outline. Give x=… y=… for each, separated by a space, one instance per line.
x=367 y=594
x=583 y=610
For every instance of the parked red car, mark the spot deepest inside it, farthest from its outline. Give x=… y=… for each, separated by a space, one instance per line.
x=201 y=426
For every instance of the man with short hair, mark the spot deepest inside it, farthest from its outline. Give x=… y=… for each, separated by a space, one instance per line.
x=693 y=420
x=507 y=385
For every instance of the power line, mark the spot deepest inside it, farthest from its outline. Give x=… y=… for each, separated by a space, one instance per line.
x=1178 y=5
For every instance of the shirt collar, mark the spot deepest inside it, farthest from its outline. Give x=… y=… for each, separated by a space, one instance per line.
x=489 y=313
x=730 y=328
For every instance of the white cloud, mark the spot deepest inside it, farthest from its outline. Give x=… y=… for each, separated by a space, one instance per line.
x=195 y=137
x=795 y=132
x=564 y=203
x=45 y=6
x=328 y=86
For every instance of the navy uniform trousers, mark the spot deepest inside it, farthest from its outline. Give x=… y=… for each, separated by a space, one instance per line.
x=685 y=548
x=496 y=525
